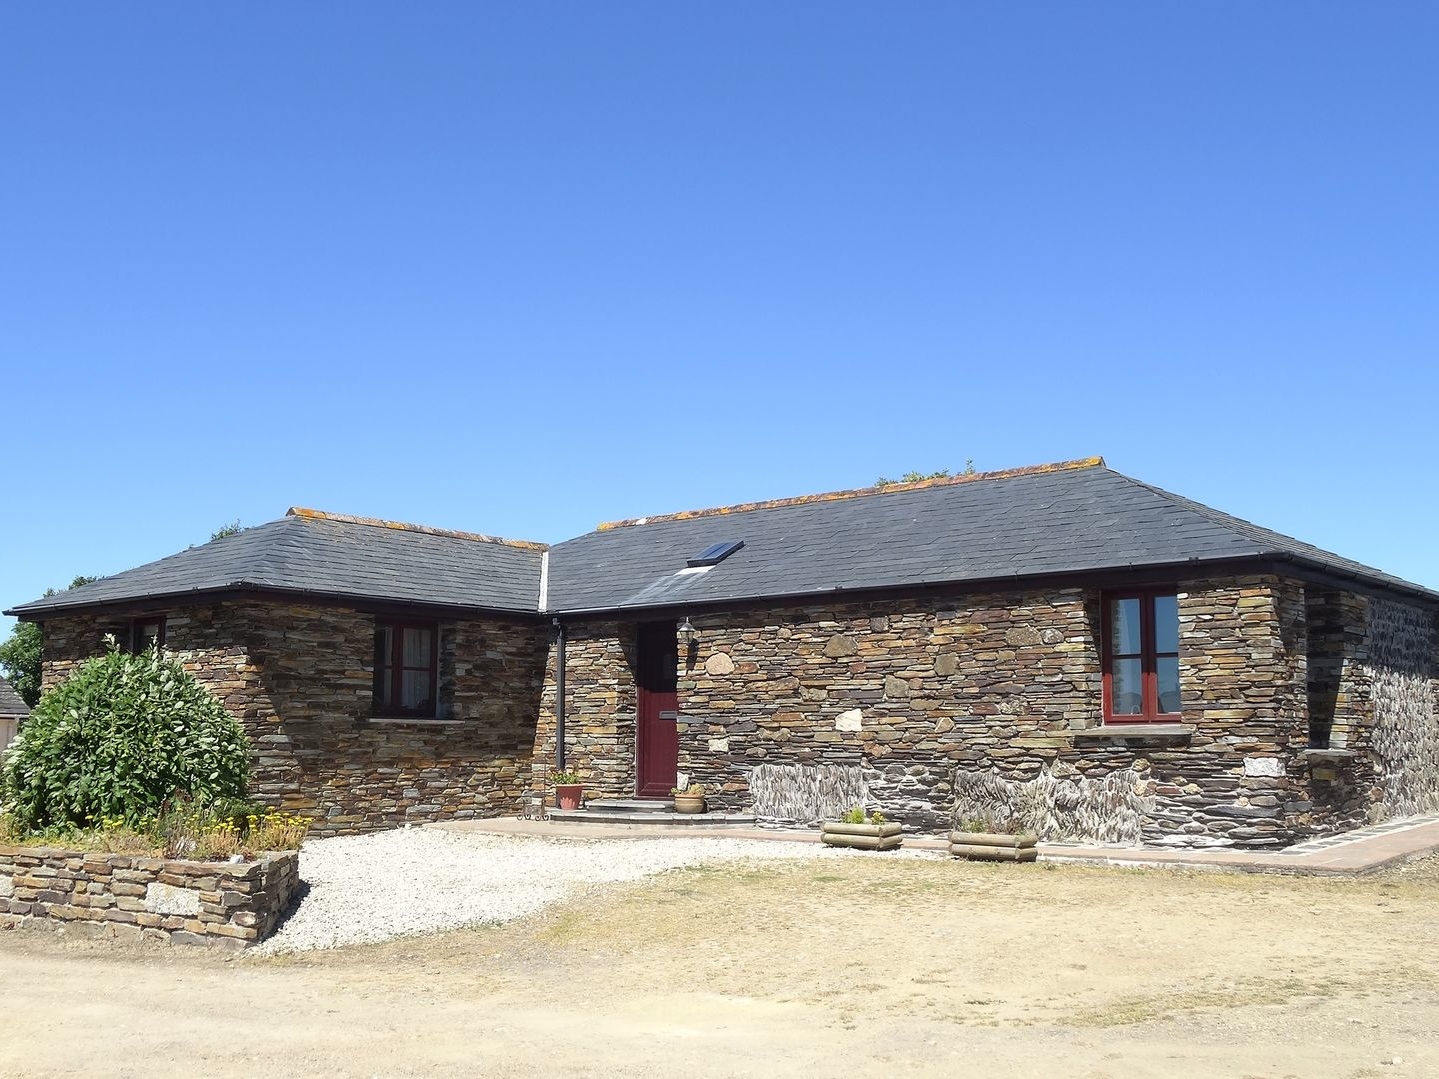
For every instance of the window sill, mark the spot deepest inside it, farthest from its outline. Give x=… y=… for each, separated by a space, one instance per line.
x=415 y=721
x=1328 y=754
x=1174 y=731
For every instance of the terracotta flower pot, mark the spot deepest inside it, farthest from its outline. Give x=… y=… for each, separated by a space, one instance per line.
x=569 y=795
x=689 y=803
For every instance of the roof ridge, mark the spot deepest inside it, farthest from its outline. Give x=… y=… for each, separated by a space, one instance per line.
x=860 y=492
x=401 y=526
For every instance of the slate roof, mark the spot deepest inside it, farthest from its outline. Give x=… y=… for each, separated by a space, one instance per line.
x=997 y=527
x=11 y=703
x=1051 y=519
x=333 y=555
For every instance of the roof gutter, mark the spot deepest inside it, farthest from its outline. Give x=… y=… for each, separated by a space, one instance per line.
x=27 y=613
x=966 y=583
x=1320 y=570
x=974 y=584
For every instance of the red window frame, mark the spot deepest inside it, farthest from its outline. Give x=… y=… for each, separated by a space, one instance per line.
x=391 y=706
x=137 y=632
x=1148 y=656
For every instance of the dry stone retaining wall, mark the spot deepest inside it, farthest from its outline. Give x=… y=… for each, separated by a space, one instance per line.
x=218 y=904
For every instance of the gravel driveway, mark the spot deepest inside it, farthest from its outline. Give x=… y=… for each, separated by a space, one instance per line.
x=417 y=880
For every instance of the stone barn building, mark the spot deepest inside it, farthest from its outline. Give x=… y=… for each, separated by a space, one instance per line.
x=1109 y=661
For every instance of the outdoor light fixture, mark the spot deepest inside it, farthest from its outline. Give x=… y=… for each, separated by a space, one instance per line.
x=687 y=632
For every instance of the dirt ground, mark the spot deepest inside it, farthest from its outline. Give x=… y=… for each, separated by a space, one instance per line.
x=855 y=966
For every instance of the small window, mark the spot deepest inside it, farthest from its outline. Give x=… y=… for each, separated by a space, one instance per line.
x=1141 y=657
x=715 y=553
x=146 y=633
x=406 y=665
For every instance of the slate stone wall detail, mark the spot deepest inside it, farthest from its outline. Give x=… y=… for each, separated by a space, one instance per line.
x=600 y=711
x=1402 y=668
x=1059 y=803
x=909 y=696
x=807 y=793
x=788 y=710
x=216 y=904
x=300 y=680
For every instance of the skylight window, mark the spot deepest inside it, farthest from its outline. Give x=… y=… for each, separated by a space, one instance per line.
x=715 y=553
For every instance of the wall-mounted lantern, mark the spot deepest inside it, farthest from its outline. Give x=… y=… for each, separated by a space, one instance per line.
x=687 y=632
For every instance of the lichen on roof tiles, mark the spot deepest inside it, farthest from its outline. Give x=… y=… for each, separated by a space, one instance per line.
x=401 y=526
x=859 y=492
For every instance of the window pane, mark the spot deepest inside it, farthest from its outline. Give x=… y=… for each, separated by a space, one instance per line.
x=384 y=656
x=1126 y=688
x=417 y=647
x=1124 y=627
x=415 y=690
x=1166 y=623
x=1168 y=677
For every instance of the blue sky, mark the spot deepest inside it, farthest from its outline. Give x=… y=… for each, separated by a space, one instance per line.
x=522 y=268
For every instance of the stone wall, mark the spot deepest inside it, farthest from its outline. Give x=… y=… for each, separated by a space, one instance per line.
x=1402 y=669
x=1339 y=681
x=1239 y=781
x=218 y=904
x=600 y=715
x=912 y=702
x=906 y=690
x=300 y=679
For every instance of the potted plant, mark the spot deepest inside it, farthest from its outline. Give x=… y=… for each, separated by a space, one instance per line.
x=689 y=799
x=569 y=791
x=988 y=838
x=862 y=831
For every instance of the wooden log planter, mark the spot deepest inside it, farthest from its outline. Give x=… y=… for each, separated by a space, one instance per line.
x=885 y=836
x=993 y=846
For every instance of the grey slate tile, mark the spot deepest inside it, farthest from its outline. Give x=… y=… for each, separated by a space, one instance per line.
x=1018 y=525
x=11 y=703
x=332 y=557
x=1071 y=520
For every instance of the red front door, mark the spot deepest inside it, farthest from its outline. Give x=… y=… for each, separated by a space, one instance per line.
x=657 y=749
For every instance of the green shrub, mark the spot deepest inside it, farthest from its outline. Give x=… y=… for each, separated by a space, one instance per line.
x=119 y=739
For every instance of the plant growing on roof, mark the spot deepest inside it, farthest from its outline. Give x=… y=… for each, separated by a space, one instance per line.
x=917 y=477
x=119 y=739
